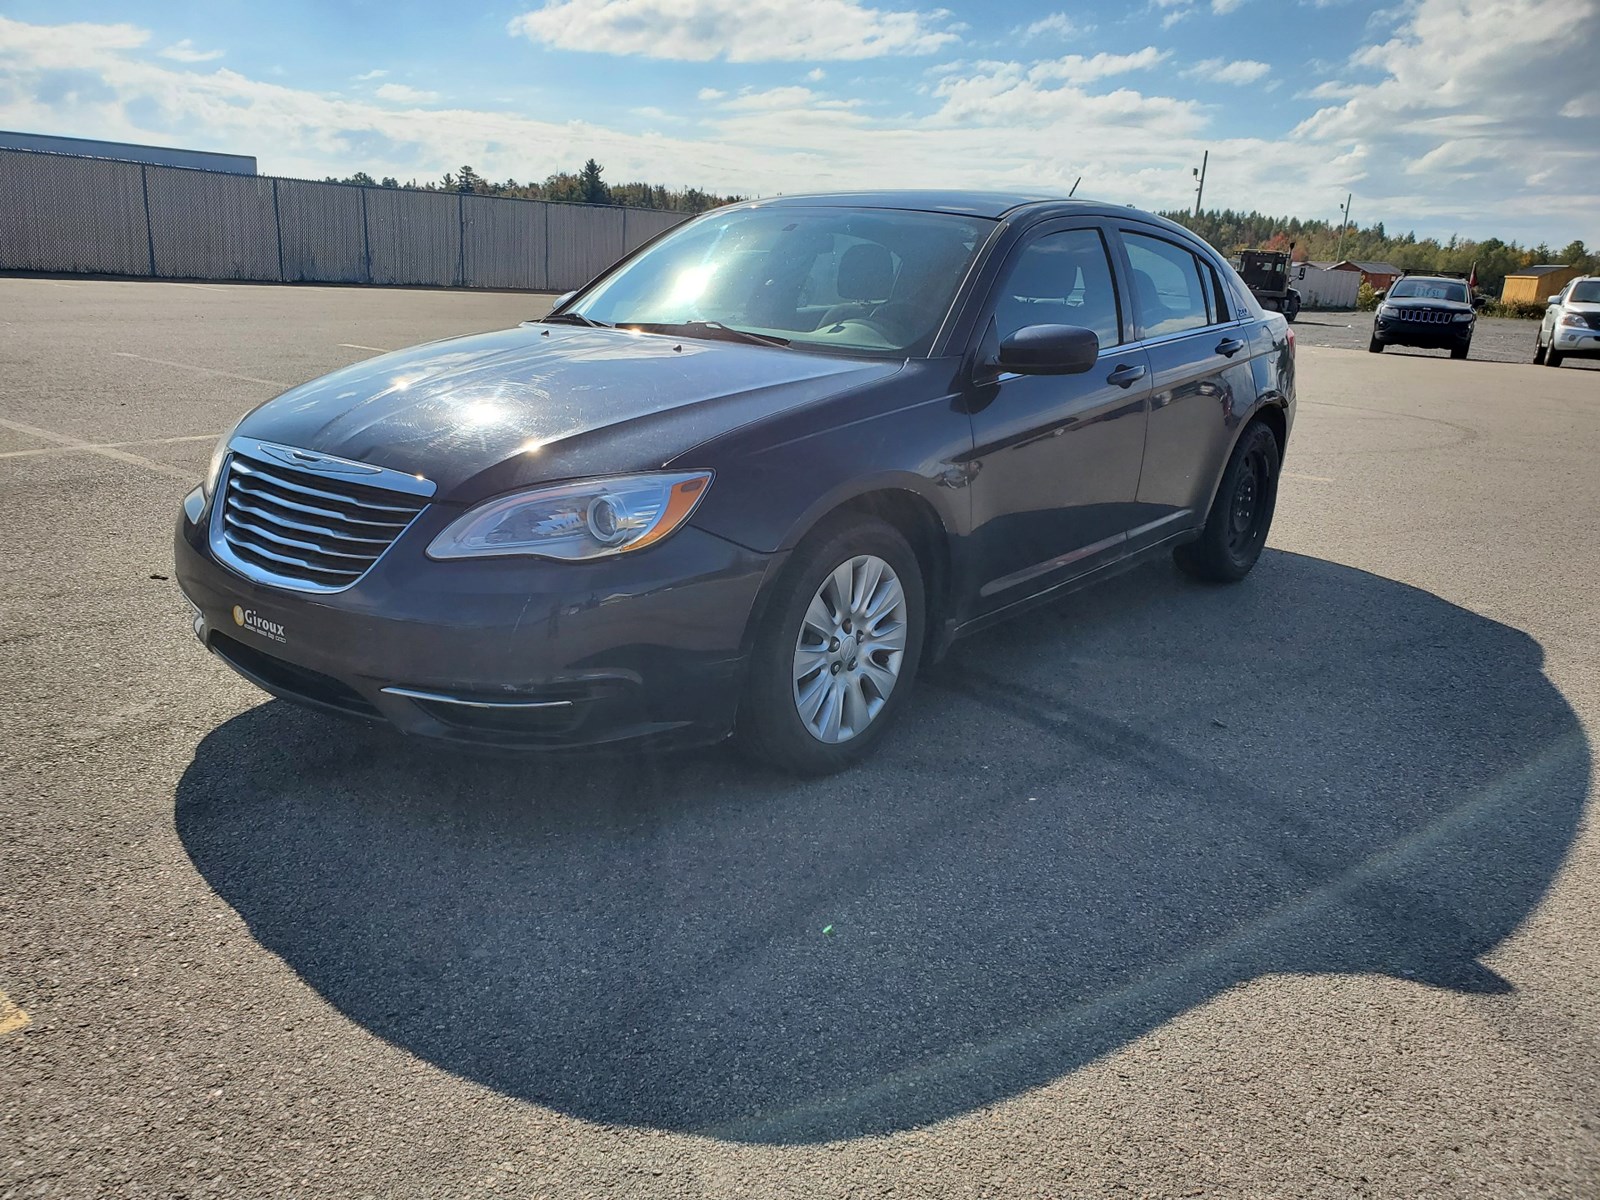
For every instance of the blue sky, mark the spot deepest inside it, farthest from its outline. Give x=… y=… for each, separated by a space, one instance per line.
x=1473 y=117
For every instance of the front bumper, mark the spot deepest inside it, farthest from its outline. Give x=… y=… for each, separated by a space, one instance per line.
x=513 y=652
x=1577 y=341
x=1393 y=331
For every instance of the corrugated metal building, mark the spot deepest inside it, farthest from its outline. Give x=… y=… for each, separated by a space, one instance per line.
x=1535 y=285
x=1320 y=286
x=1380 y=275
x=163 y=156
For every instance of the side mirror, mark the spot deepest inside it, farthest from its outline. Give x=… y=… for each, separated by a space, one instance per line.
x=1383 y=295
x=1049 y=350
x=1479 y=301
x=562 y=299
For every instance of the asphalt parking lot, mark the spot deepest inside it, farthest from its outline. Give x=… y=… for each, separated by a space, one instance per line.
x=1289 y=889
x=1495 y=339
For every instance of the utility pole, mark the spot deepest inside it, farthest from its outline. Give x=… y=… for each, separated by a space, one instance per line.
x=1200 y=174
x=1344 y=224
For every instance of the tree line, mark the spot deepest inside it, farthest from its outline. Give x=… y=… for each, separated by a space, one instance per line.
x=587 y=185
x=1319 y=241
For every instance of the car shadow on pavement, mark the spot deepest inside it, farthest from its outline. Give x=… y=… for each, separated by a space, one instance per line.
x=1092 y=820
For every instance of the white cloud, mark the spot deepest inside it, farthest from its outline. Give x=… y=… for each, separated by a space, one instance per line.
x=1176 y=15
x=1221 y=7
x=816 y=75
x=710 y=94
x=368 y=76
x=1217 y=70
x=187 y=51
x=735 y=30
x=1055 y=25
x=1021 y=125
x=400 y=93
x=1468 y=99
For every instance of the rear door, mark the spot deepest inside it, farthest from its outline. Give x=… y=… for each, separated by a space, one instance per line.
x=1201 y=381
x=1056 y=457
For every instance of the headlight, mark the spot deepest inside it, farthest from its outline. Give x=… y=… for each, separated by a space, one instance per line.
x=1463 y=316
x=573 y=522
x=1573 y=319
x=1385 y=310
x=214 y=469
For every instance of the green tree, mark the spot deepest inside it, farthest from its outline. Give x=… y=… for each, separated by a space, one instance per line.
x=594 y=188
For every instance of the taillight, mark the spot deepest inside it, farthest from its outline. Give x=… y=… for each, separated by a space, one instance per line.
x=1291 y=341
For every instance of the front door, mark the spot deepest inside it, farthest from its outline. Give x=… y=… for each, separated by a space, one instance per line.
x=1056 y=457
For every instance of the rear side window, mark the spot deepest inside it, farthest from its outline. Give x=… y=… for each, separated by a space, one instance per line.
x=1060 y=279
x=1168 y=293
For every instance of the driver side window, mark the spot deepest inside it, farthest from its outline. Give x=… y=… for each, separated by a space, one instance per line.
x=1060 y=279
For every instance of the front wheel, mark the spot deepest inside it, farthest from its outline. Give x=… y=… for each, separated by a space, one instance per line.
x=1460 y=351
x=1374 y=346
x=1538 y=352
x=1236 y=529
x=837 y=650
x=1551 y=357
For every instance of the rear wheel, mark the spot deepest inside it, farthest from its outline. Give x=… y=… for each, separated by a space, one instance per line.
x=1236 y=529
x=837 y=650
x=1291 y=308
x=1538 y=352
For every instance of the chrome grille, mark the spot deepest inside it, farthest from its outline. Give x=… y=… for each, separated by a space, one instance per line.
x=1428 y=316
x=312 y=527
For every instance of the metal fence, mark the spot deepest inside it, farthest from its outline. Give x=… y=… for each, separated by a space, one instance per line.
x=60 y=213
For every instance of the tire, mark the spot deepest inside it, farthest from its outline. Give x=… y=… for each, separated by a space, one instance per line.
x=1551 y=357
x=1291 y=310
x=772 y=729
x=1374 y=346
x=1460 y=351
x=1538 y=353
x=1227 y=548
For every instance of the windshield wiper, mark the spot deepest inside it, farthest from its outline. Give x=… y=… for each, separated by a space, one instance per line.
x=706 y=329
x=572 y=318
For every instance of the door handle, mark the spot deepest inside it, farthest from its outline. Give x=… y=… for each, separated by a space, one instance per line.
x=1126 y=375
x=1228 y=347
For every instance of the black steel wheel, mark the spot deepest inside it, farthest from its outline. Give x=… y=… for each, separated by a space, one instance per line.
x=1236 y=529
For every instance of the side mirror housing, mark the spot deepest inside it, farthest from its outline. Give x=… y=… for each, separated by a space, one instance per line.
x=562 y=299
x=1049 y=350
x=1479 y=301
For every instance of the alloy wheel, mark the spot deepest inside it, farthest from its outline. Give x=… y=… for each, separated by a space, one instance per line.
x=851 y=645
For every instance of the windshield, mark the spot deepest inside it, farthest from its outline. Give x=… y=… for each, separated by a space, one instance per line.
x=874 y=281
x=1429 y=289
x=1586 y=291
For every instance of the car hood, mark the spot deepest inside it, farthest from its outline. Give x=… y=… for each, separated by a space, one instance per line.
x=487 y=413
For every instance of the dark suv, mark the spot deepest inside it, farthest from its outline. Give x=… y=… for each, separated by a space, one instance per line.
x=1429 y=311
x=745 y=480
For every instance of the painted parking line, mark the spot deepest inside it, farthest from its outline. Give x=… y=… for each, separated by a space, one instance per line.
x=49 y=450
x=359 y=346
x=12 y=1018
x=112 y=452
x=167 y=362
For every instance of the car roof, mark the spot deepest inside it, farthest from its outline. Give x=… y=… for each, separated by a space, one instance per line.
x=992 y=205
